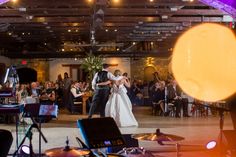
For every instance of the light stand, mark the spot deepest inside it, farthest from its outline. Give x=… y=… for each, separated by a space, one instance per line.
x=13 y=78
x=221 y=124
x=221 y=113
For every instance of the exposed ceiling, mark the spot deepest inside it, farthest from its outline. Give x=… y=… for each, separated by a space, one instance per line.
x=72 y=28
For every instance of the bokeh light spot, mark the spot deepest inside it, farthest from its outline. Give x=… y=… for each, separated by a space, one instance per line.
x=204 y=62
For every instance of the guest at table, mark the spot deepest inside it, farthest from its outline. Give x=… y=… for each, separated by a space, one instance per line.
x=47 y=96
x=76 y=94
x=76 y=90
x=174 y=97
x=21 y=93
x=158 y=97
x=34 y=90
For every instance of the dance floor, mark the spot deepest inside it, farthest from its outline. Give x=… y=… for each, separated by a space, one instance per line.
x=197 y=131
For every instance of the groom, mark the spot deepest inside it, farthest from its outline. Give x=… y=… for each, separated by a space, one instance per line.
x=102 y=92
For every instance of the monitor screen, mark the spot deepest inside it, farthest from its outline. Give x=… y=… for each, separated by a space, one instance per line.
x=48 y=110
x=100 y=132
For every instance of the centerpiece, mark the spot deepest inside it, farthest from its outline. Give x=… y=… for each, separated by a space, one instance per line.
x=92 y=64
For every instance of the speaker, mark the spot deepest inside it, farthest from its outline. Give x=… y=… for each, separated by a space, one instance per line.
x=5 y=142
x=100 y=132
x=228 y=139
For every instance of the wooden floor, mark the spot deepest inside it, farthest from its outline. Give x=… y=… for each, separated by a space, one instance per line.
x=197 y=131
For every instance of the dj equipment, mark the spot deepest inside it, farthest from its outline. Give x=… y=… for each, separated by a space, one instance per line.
x=6 y=93
x=100 y=132
x=12 y=109
x=129 y=142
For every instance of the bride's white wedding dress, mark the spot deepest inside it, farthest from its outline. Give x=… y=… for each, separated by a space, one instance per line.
x=119 y=107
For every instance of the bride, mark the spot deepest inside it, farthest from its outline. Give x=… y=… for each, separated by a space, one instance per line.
x=119 y=105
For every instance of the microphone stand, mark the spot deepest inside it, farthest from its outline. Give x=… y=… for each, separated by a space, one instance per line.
x=29 y=134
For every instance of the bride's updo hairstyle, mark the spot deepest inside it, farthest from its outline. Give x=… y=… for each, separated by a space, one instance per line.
x=117 y=73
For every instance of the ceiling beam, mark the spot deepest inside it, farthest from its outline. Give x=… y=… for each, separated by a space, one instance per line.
x=65 y=12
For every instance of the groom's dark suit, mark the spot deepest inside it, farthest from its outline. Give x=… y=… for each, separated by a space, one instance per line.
x=101 y=93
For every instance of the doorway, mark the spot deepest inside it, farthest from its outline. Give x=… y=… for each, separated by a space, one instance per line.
x=27 y=75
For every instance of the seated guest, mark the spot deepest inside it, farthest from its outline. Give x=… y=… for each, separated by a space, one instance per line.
x=76 y=90
x=151 y=84
x=84 y=86
x=136 y=93
x=158 y=97
x=34 y=90
x=75 y=94
x=47 y=96
x=174 y=96
x=21 y=93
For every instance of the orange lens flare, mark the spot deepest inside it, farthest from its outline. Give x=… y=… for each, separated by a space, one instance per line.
x=204 y=62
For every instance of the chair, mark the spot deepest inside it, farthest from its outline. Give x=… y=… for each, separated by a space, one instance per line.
x=154 y=108
x=76 y=104
x=5 y=142
x=198 y=109
x=171 y=109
